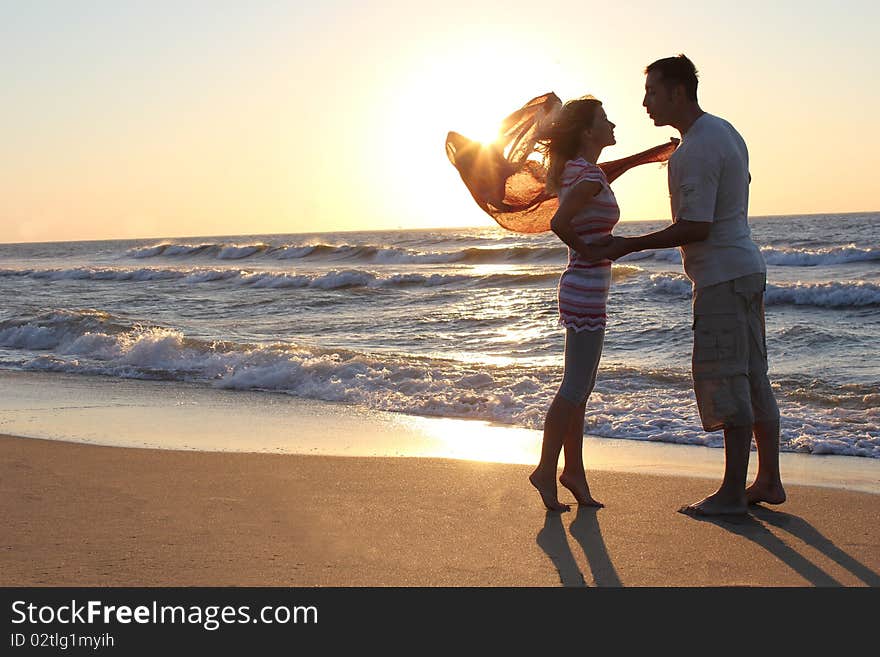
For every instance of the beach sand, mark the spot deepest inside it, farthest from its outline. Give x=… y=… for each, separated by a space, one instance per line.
x=87 y=515
x=143 y=483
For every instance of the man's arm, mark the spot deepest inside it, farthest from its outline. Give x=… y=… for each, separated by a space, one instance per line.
x=679 y=233
x=696 y=188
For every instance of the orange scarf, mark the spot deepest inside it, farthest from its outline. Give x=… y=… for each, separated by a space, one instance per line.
x=510 y=188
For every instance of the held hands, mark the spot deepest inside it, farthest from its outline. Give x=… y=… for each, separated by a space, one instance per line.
x=606 y=248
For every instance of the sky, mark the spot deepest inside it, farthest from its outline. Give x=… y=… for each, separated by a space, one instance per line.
x=123 y=119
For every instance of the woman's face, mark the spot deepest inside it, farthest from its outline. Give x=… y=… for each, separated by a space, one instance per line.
x=602 y=130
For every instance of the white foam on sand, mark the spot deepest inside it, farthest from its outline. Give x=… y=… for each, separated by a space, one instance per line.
x=182 y=416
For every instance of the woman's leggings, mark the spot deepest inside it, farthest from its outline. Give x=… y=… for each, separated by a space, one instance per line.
x=583 y=349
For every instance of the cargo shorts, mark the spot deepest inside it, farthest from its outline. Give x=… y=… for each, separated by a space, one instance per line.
x=729 y=363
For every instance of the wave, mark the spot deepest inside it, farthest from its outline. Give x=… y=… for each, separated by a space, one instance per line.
x=851 y=294
x=661 y=255
x=333 y=280
x=640 y=404
x=815 y=391
x=811 y=336
x=358 y=253
x=780 y=257
x=837 y=255
x=52 y=329
x=220 y=251
x=825 y=295
x=674 y=285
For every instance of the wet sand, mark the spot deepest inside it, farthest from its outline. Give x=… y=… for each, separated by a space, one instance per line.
x=87 y=515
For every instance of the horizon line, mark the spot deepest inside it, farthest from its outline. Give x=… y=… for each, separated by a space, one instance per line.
x=400 y=229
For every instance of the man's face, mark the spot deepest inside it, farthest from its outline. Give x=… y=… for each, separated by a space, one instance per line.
x=658 y=100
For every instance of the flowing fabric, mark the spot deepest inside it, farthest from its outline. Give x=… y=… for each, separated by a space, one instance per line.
x=507 y=177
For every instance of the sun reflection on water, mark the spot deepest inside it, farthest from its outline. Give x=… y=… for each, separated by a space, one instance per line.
x=474 y=440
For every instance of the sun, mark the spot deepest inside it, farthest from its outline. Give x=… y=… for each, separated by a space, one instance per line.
x=469 y=91
x=462 y=92
x=483 y=129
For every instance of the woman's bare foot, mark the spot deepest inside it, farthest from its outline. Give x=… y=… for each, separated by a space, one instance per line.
x=580 y=489
x=759 y=491
x=717 y=505
x=547 y=488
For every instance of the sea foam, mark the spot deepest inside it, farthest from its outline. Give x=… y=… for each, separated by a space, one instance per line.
x=627 y=403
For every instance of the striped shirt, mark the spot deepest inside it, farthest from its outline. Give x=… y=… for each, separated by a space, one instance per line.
x=583 y=287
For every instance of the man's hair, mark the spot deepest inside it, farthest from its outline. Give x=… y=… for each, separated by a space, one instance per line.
x=677 y=70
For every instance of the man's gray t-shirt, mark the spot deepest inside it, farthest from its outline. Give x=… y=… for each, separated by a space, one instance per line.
x=709 y=181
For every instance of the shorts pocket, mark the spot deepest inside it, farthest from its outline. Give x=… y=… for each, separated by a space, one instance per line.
x=720 y=343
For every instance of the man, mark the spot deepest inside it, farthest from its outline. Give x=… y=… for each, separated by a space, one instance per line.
x=709 y=188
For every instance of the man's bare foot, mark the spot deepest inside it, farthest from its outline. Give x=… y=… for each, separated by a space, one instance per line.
x=761 y=492
x=547 y=489
x=580 y=489
x=717 y=505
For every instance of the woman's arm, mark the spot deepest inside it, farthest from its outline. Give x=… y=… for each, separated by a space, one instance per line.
x=575 y=200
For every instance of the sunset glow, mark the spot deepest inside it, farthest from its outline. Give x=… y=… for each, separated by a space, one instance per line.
x=122 y=122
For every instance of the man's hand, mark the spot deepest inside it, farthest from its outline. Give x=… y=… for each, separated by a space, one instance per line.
x=608 y=248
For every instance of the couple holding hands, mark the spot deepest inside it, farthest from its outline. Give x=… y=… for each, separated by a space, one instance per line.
x=709 y=190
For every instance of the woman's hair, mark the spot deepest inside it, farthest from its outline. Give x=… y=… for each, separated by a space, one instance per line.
x=561 y=140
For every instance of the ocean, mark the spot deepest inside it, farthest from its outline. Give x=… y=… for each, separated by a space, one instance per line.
x=458 y=323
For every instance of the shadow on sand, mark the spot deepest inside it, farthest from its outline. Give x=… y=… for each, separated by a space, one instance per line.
x=585 y=530
x=754 y=527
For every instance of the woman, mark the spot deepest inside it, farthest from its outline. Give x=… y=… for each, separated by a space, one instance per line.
x=586 y=215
